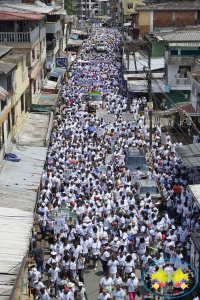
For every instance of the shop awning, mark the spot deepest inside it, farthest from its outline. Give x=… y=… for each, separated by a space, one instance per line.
x=74 y=42
x=195 y=190
x=186 y=108
x=190 y=155
x=58 y=72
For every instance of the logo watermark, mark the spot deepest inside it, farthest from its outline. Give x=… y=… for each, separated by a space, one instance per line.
x=170 y=278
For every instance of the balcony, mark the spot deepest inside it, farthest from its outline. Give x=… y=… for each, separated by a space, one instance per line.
x=180 y=60
x=42 y=33
x=53 y=27
x=53 y=47
x=20 y=37
x=25 y=74
x=179 y=84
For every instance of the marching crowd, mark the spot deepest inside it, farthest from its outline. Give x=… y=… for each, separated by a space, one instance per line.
x=86 y=173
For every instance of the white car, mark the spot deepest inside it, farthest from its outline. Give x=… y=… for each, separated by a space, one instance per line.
x=150 y=185
x=100 y=47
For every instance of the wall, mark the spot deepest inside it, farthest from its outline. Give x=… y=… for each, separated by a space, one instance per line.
x=184 y=18
x=144 y=22
x=162 y=18
x=16 y=98
x=158 y=49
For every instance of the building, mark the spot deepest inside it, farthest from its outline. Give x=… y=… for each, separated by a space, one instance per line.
x=14 y=80
x=176 y=15
x=194 y=79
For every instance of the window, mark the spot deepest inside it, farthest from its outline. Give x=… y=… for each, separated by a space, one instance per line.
x=183 y=71
x=9 y=83
x=22 y=65
x=3 y=104
x=13 y=115
x=130 y=5
x=8 y=124
x=22 y=103
x=33 y=54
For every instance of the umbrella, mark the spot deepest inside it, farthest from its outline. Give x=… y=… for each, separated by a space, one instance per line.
x=103 y=76
x=91 y=128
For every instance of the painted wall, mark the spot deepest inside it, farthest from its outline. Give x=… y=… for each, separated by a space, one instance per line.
x=144 y=22
x=158 y=49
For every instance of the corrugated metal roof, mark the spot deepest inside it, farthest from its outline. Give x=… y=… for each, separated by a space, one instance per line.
x=182 y=36
x=27 y=8
x=19 y=182
x=190 y=155
x=195 y=190
x=11 y=16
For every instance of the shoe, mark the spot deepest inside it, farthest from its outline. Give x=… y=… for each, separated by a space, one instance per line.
x=95 y=269
x=149 y=294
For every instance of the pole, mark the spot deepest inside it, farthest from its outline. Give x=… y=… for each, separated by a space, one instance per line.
x=150 y=93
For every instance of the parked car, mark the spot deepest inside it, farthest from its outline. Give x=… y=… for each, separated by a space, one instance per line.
x=135 y=159
x=150 y=185
x=100 y=47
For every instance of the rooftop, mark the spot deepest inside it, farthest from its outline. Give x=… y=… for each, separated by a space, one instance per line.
x=6 y=67
x=16 y=16
x=26 y=8
x=184 y=5
x=14 y=58
x=4 y=50
x=19 y=182
x=182 y=36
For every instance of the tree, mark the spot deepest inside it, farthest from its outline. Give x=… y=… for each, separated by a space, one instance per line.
x=70 y=9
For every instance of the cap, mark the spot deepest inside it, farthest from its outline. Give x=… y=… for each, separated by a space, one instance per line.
x=80 y=284
x=53 y=253
x=66 y=289
x=114 y=223
x=72 y=203
x=116 y=239
x=34 y=270
x=132 y=274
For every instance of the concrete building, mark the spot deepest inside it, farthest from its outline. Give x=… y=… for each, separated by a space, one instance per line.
x=176 y=15
x=14 y=80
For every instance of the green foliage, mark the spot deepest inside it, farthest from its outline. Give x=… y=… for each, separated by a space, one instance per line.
x=70 y=9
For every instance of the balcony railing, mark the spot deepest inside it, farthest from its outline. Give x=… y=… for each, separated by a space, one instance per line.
x=25 y=74
x=19 y=37
x=178 y=81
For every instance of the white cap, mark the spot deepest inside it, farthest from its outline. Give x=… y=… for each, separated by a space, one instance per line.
x=132 y=274
x=116 y=239
x=80 y=284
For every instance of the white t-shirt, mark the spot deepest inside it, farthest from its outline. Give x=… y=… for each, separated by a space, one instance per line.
x=104 y=297
x=113 y=266
x=132 y=284
x=54 y=273
x=129 y=266
x=107 y=283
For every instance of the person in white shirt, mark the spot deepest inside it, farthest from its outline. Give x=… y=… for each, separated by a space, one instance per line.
x=131 y=286
x=104 y=295
x=95 y=251
x=106 y=283
x=113 y=266
x=53 y=275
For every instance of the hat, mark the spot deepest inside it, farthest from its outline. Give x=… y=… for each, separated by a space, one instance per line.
x=66 y=289
x=72 y=203
x=114 y=223
x=116 y=239
x=80 y=284
x=132 y=274
x=70 y=285
x=53 y=253
x=34 y=270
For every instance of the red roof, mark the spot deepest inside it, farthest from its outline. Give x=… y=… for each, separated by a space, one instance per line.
x=13 y=16
x=188 y=108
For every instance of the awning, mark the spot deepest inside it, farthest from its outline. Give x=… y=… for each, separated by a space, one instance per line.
x=190 y=155
x=3 y=94
x=74 y=42
x=195 y=190
x=187 y=108
x=74 y=36
x=58 y=72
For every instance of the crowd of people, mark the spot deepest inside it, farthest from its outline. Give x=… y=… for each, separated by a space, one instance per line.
x=89 y=209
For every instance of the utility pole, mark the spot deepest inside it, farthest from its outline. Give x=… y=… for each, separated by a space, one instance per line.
x=149 y=76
